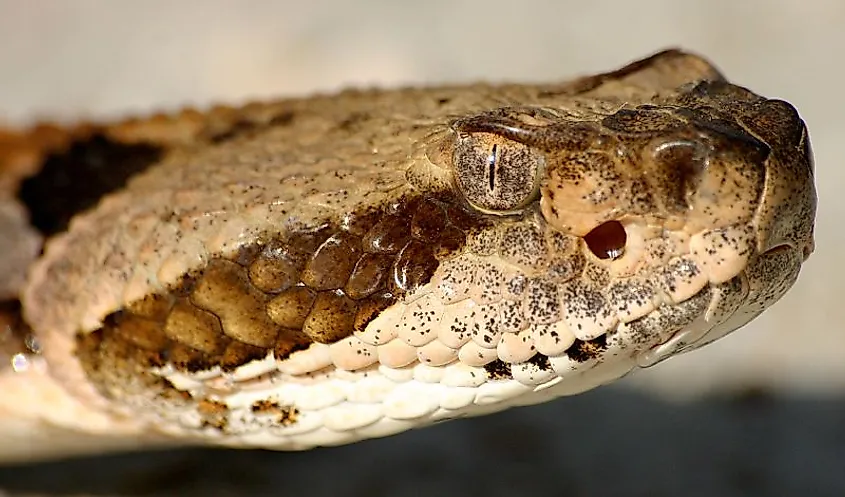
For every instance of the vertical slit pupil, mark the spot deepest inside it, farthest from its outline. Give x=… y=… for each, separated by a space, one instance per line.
x=491 y=166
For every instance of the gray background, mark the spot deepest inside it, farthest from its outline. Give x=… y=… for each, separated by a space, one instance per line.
x=759 y=413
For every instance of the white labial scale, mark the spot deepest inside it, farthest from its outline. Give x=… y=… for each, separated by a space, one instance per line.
x=528 y=373
x=221 y=383
x=517 y=347
x=463 y=375
x=632 y=299
x=455 y=398
x=565 y=367
x=280 y=392
x=455 y=325
x=261 y=438
x=552 y=339
x=186 y=382
x=413 y=400
x=351 y=353
x=427 y=374
x=473 y=354
x=385 y=427
x=382 y=329
x=681 y=278
x=314 y=358
x=435 y=353
x=420 y=320
x=255 y=369
x=396 y=353
x=585 y=310
x=321 y=395
x=190 y=418
x=397 y=375
x=242 y=422
x=494 y=392
x=371 y=389
x=348 y=416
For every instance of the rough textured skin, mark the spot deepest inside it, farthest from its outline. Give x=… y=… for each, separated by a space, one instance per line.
x=318 y=271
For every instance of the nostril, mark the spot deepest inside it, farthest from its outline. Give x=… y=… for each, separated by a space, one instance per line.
x=607 y=240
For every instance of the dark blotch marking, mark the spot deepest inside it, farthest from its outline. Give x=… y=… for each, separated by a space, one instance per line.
x=285 y=415
x=582 y=351
x=498 y=370
x=215 y=414
x=74 y=180
x=541 y=361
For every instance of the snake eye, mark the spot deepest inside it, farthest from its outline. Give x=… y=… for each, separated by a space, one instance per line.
x=496 y=174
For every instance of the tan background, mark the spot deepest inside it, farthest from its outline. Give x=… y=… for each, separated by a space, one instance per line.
x=105 y=58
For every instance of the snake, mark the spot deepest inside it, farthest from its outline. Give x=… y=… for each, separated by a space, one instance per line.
x=315 y=271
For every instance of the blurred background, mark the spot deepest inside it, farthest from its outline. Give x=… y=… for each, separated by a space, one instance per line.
x=758 y=413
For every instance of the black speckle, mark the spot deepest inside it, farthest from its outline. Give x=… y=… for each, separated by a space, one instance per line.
x=541 y=361
x=498 y=370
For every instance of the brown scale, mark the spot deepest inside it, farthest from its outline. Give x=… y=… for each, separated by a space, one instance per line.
x=286 y=293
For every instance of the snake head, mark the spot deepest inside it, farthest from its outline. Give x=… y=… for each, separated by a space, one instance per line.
x=710 y=180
